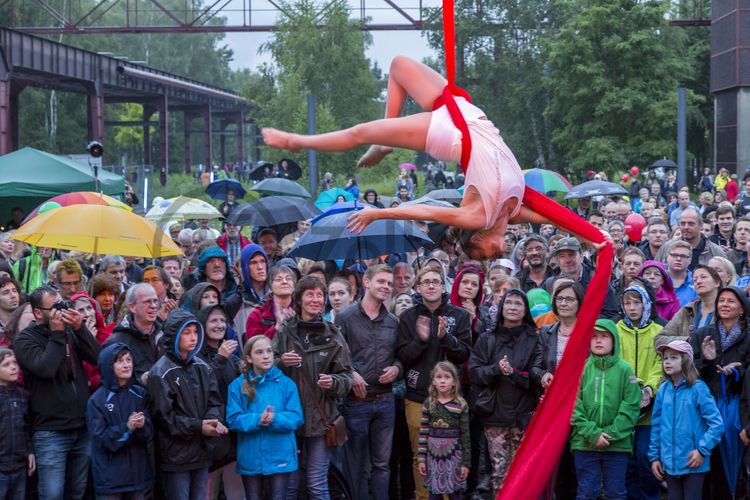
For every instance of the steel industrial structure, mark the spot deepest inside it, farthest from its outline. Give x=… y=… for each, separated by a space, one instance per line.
x=154 y=16
x=26 y=60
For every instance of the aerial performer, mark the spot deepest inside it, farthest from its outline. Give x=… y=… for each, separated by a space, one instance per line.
x=494 y=185
x=451 y=128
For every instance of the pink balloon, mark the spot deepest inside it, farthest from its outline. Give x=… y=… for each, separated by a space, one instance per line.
x=625 y=178
x=634 y=225
x=634 y=171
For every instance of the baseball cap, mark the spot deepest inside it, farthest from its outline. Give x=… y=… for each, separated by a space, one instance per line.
x=676 y=345
x=568 y=243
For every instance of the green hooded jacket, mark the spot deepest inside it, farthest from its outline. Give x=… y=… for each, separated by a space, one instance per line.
x=608 y=400
x=28 y=271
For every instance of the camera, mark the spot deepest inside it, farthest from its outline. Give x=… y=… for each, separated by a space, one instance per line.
x=62 y=305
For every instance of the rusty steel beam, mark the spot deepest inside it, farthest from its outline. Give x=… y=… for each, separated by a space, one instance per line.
x=99 y=30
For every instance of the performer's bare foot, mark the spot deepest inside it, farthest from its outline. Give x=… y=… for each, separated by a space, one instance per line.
x=374 y=155
x=279 y=139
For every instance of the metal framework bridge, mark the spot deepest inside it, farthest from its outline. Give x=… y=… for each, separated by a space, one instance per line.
x=197 y=16
x=26 y=60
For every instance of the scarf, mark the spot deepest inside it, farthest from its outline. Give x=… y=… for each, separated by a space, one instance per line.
x=728 y=339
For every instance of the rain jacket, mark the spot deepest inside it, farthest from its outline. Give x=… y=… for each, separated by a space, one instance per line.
x=200 y=274
x=608 y=401
x=516 y=395
x=191 y=302
x=225 y=370
x=142 y=345
x=54 y=376
x=637 y=346
x=262 y=321
x=323 y=350
x=377 y=199
x=667 y=304
x=119 y=456
x=182 y=393
x=15 y=429
x=684 y=419
x=250 y=298
x=418 y=358
x=738 y=351
x=271 y=449
x=28 y=271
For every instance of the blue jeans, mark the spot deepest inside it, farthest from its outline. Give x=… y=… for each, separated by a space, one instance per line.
x=596 y=467
x=188 y=485
x=62 y=459
x=369 y=425
x=642 y=485
x=254 y=486
x=316 y=460
x=13 y=485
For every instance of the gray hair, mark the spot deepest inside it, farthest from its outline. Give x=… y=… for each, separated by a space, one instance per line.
x=108 y=260
x=131 y=295
x=186 y=233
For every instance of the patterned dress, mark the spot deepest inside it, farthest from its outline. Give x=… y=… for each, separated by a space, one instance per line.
x=444 y=445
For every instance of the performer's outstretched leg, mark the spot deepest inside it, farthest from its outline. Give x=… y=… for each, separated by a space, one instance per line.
x=407 y=77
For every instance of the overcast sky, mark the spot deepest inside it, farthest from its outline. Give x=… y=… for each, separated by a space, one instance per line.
x=386 y=44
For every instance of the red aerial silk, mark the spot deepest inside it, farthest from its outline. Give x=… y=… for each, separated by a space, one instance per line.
x=536 y=460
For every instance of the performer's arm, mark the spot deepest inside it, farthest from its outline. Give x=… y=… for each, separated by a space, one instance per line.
x=526 y=215
x=465 y=217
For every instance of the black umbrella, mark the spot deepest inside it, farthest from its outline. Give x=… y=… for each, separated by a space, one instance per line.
x=664 y=163
x=595 y=188
x=287 y=169
x=272 y=211
x=329 y=239
x=258 y=172
x=281 y=187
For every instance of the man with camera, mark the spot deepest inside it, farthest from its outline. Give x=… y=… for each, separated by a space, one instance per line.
x=51 y=351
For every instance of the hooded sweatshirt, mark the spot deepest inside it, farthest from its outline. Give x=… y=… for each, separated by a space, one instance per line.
x=182 y=393
x=119 y=456
x=250 y=298
x=143 y=345
x=637 y=345
x=667 y=304
x=608 y=400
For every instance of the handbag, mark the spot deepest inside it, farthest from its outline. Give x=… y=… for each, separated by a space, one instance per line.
x=336 y=434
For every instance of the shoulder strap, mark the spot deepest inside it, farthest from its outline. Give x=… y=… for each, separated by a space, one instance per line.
x=308 y=387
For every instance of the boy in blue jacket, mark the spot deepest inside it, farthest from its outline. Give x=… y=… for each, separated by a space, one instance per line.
x=120 y=428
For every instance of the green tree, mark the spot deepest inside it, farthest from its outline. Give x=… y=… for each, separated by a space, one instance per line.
x=614 y=69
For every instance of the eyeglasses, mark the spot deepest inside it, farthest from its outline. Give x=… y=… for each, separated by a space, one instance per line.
x=565 y=300
x=151 y=302
x=679 y=256
x=429 y=283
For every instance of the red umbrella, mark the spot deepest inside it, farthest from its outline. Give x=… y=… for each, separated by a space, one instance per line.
x=80 y=198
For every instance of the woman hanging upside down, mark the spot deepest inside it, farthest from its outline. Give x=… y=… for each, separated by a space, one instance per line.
x=494 y=185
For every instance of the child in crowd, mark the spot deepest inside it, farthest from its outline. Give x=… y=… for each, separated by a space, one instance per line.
x=16 y=457
x=186 y=408
x=604 y=417
x=444 y=454
x=264 y=408
x=637 y=332
x=120 y=428
x=686 y=425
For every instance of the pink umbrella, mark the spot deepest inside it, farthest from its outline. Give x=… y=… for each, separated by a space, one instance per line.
x=407 y=166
